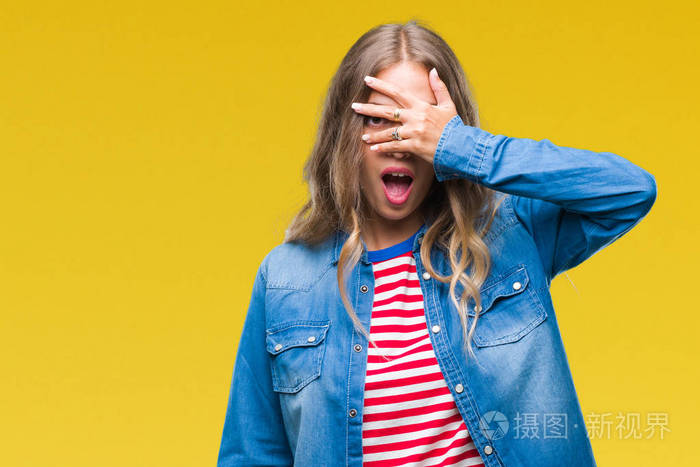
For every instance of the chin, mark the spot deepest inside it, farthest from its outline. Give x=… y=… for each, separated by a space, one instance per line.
x=396 y=214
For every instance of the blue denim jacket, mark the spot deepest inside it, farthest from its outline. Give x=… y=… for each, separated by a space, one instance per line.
x=298 y=381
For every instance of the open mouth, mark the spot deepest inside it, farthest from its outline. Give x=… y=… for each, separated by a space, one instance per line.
x=397 y=186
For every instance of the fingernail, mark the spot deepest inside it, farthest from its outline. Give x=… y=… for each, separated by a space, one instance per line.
x=355 y=105
x=365 y=137
x=373 y=147
x=369 y=79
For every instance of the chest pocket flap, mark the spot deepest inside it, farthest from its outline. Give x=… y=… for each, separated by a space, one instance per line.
x=295 y=335
x=512 y=284
x=509 y=309
x=296 y=350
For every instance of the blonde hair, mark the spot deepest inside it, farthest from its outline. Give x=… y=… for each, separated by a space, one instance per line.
x=452 y=208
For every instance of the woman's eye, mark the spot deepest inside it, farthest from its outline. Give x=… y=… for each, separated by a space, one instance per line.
x=374 y=121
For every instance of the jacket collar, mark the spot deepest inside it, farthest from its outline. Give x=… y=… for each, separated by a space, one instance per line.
x=341 y=236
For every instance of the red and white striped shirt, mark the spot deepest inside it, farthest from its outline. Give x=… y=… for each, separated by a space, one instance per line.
x=409 y=417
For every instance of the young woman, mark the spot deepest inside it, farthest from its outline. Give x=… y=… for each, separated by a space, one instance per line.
x=406 y=319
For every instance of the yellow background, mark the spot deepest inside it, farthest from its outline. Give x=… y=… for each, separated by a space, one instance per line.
x=151 y=155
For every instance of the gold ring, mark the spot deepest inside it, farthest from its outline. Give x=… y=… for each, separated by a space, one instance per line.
x=397 y=114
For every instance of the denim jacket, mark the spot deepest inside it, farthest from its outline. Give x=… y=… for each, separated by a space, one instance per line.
x=297 y=390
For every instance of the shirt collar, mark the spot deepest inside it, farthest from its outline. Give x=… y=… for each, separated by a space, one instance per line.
x=341 y=236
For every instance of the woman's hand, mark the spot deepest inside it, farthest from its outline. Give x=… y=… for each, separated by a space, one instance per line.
x=421 y=122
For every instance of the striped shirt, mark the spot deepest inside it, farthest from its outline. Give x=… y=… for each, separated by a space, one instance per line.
x=409 y=416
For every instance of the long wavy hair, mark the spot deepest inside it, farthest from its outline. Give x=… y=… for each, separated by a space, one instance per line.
x=458 y=213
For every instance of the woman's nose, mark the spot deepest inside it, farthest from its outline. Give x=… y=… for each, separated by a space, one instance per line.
x=399 y=155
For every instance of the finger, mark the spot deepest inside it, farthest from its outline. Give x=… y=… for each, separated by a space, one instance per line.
x=442 y=95
x=378 y=110
x=394 y=146
x=403 y=98
x=386 y=135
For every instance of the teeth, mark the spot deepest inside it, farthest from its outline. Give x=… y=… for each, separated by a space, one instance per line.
x=398 y=174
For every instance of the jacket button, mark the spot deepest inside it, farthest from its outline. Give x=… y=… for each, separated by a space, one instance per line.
x=311 y=339
x=358 y=348
x=278 y=346
x=488 y=449
x=517 y=285
x=477 y=308
x=459 y=388
x=436 y=329
x=352 y=412
x=364 y=288
x=426 y=275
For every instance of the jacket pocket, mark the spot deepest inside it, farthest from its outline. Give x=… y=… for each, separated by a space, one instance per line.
x=510 y=309
x=296 y=351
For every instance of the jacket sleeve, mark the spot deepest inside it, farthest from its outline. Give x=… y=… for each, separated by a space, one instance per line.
x=253 y=433
x=573 y=202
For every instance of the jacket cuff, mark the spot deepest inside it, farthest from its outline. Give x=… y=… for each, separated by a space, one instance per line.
x=460 y=151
